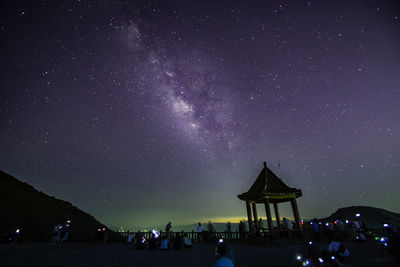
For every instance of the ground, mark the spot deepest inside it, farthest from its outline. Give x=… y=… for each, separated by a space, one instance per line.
x=119 y=254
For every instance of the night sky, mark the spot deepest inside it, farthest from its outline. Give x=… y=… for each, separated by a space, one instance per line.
x=141 y=112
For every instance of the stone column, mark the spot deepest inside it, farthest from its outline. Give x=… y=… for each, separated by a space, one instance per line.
x=278 y=218
x=296 y=213
x=249 y=215
x=268 y=213
x=255 y=213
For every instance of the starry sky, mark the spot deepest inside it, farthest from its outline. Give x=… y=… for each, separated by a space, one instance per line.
x=141 y=112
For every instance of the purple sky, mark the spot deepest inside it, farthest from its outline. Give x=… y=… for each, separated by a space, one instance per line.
x=143 y=112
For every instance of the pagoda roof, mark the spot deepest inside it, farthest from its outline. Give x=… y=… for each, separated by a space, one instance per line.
x=269 y=186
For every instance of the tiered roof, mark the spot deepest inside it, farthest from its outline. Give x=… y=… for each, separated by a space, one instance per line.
x=269 y=186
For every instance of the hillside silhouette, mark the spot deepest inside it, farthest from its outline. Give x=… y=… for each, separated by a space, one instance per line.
x=36 y=214
x=372 y=217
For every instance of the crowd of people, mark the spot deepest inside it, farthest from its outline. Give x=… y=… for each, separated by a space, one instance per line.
x=180 y=241
x=165 y=241
x=60 y=233
x=335 y=233
x=319 y=230
x=352 y=230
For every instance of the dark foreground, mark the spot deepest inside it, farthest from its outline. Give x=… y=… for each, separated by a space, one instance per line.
x=90 y=254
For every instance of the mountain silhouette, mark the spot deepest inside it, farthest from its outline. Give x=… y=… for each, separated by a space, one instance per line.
x=372 y=217
x=35 y=213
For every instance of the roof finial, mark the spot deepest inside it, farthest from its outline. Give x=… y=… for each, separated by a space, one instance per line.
x=265 y=164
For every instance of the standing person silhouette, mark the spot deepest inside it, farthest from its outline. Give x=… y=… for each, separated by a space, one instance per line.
x=229 y=229
x=168 y=229
x=199 y=233
x=242 y=230
x=261 y=225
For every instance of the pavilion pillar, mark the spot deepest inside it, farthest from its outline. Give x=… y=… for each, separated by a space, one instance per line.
x=255 y=213
x=278 y=218
x=249 y=216
x=296 y=213
x=268 y=213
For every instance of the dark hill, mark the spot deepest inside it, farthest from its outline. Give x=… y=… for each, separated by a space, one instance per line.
x=372 y=217
x=36 y=214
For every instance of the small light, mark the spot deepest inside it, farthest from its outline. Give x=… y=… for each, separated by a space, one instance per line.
x=155 y=233
x=333 y=258
x=327 y=224
x=320 y=260
x=347 y=221
x=383 y=239
x=320 y=222
x=310 y=243
x=385 y=225
x=17 y=231
x=306 y=263
x=358 y=215
x=386 y=244
x=299 y=258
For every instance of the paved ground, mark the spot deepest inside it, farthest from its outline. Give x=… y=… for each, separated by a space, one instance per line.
x=90 y=254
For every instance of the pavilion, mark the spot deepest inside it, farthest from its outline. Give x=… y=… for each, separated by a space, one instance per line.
x=269 y=188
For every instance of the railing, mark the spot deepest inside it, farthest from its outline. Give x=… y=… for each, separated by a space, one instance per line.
x=212 y=236
x=192 y=235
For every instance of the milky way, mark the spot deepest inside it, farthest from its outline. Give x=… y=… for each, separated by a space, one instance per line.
x=145 y=112
x=190 y=88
